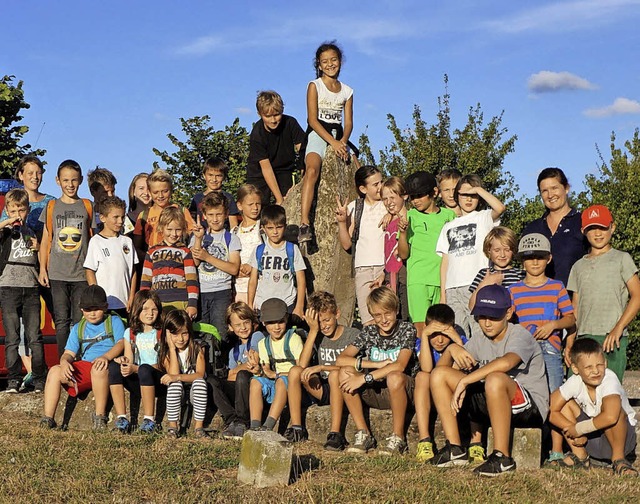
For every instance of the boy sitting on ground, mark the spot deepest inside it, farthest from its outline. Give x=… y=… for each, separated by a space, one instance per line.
x=376 y=370
x=93 y=342
x=505 y=386
x=320 y=382
x=593 y=412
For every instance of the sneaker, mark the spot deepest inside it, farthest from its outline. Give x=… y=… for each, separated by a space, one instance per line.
x=48 y=423
x=239 y=431
x=26 y=382
x=38 y=387
x=13 y=387
x=496 y=464
x=395 y=445
x=304 y=234
x=363 y=442
x=450 y=456
x=99 y=422
x=476 y=453
x=425 y=451
x=296 y=434
x=229 y=431
x=147 y=426
x=122 y=424
x=335 y=442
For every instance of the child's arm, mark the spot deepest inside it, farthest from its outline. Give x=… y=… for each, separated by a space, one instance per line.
x=102 y=362
x=43 y=257
x=91 y=276
x=132 y=289
x=311 y=317
x=609 y=416
x=544 y=331
x=312 y=119
x=348 y=120
x=497 y=207
x=146 y=280
x=253 y=286
x=612 y=340
x=127 y=366
x=444 y=265
x=426 y=359
x=556 y=417
x=301 y=293
x=198 y=234
x=404 y=249
x=345 y=224
x=270 y=178
x=193 y=285
x=232 y=266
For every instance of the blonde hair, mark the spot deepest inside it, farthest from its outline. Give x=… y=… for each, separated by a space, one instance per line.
x=18 y=197
x=160 y=175
x=269 y=100
x=395 y=184
x=171 y=214
x=383 y=297
x=504 y=235
x=247 y=189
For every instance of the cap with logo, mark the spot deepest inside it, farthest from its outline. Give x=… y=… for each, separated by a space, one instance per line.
x=596 y=215
x=492 y=301
x=534 y=244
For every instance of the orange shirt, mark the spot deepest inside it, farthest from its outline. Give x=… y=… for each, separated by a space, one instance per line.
x=147 y=224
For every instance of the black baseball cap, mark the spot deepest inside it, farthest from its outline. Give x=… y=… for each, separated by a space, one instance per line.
x=420 y=183
x=94 y=296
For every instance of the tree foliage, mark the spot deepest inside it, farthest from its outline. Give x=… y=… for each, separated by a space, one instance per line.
x=11 y=103
x=202 y=142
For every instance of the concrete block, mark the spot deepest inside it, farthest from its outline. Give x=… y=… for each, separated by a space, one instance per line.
x=526 y=447
x=265 y=459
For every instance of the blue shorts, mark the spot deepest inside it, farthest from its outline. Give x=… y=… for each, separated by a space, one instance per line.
x=316 y=145
x=269 y=386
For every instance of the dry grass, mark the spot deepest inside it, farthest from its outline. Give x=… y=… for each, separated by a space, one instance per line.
x=52 y=466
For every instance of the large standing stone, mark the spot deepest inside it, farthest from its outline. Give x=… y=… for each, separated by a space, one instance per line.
x=330 y=266
x=265 y=459
x=526 y=447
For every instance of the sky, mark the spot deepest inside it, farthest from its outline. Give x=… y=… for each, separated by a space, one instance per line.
x=107 y=81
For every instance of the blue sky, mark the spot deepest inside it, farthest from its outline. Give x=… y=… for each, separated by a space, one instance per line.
x=110 y=79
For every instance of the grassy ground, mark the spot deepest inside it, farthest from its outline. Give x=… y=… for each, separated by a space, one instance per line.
x=53 y=466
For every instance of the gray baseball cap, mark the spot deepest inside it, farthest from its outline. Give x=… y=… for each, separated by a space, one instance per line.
x=534 y=244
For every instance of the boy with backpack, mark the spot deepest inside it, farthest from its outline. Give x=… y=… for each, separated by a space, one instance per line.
x=19 y=290
x=216 y=253
x=279 y=351
x=93 y=342
x=277 y=267
x=102 y=185
x=65 y=238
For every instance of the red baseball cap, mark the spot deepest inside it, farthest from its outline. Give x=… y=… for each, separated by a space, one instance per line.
x=596 y=215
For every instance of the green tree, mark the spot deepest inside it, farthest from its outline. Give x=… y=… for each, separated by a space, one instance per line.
x=202 y=142
x=11 y=103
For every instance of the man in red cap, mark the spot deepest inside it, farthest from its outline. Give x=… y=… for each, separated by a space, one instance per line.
x=606 y=290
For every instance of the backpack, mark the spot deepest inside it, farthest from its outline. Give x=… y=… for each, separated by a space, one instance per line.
x=290 y=256
x=227 y=240
x=236 y=348
x=357 y=218
x=108 y=334
x=287 y=350
x=134 y=348
x=88 y=206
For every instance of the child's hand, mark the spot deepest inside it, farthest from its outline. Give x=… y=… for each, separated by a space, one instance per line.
x=34 y=244
x=384 y=222
x=458 y=397
x=169 y=341
x=612 y=341
x=200 y=254
x=311 y=317
x=544 y=331
x=571 y=432
x=578 y=442
x=198 y=230
x=378 y=282
x=341 y=210
x=381 y=364
x=67 y=370
x=192 y=311
x=491 y=278
x=403 y=223
x=245 y=271
x=167 y=379
x=340 y=148
x=352 y=381
x=434 y=327
x=126 y=368
x=298 y=311
x=100 y=364
x=43 y=278
x=463 y=359
x=307 y=373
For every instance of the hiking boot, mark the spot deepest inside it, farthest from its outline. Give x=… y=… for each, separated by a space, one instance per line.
x=26 y=382
x=335 y=442
x=362 y=443
x=395 y=445
x=304 y=234
x=48 y=423
x=296 y=434
x=496 y=464
x=425 y=450
x=13 y=387
x=122 y=424
x=99 y=422
x=147 y=426
x=450 y=456
x=477 y=454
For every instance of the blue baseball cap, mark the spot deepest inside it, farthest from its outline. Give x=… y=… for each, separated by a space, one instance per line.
x=492 y=301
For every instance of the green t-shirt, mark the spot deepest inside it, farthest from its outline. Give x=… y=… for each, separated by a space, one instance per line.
x=423 y=265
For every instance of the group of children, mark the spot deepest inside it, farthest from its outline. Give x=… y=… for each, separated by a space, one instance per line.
x=436 y=289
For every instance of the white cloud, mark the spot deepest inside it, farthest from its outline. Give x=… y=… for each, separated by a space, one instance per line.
x=549 y=82
x=244 y=110
x=563 y=16
x=619 y=106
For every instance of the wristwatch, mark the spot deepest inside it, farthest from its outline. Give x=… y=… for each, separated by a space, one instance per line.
x=368 y=378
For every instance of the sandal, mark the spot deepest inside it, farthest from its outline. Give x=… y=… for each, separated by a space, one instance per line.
x=622 y=467
x=200 y=433
x=577 y=462
x=172 y=433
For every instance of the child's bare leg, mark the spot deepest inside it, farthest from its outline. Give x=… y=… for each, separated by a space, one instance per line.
x=336 y=402
x=556 y=441
x=476 y=432
x=419 y=326
x=294 y=392
x=117 y=394
x=499 y=389
x=571 y=411
x=353 y=402
x=52 y=390
x=443 y=382
x=26 y=362
x=617 y=435
x=100 y=387
x=148 y=394
x=313 y=162
x=255 y=401
x=422 y=399
x=279 y=400
x=396 y=383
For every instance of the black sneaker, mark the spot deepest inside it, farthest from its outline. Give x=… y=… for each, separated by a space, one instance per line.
x=496 y=464
x=304 y=234
x=48 y=423
x=296 y=434
x=13 y=387
x=335 y=442
x=451 y=456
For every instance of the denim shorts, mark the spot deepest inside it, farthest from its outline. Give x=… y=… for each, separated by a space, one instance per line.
x=269 y=386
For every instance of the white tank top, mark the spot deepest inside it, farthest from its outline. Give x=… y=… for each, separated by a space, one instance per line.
x=330 y=104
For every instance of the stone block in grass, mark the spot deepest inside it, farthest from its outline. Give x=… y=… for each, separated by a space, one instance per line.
x=526 y=447
x=265 y=459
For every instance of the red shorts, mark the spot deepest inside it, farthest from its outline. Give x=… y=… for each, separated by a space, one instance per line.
x=82 y=376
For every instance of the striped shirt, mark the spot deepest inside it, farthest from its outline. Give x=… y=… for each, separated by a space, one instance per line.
x=509 y=277
x=171 y=272
x=535 y=306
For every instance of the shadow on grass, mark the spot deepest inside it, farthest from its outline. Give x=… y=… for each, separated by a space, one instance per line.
x=301 y=464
